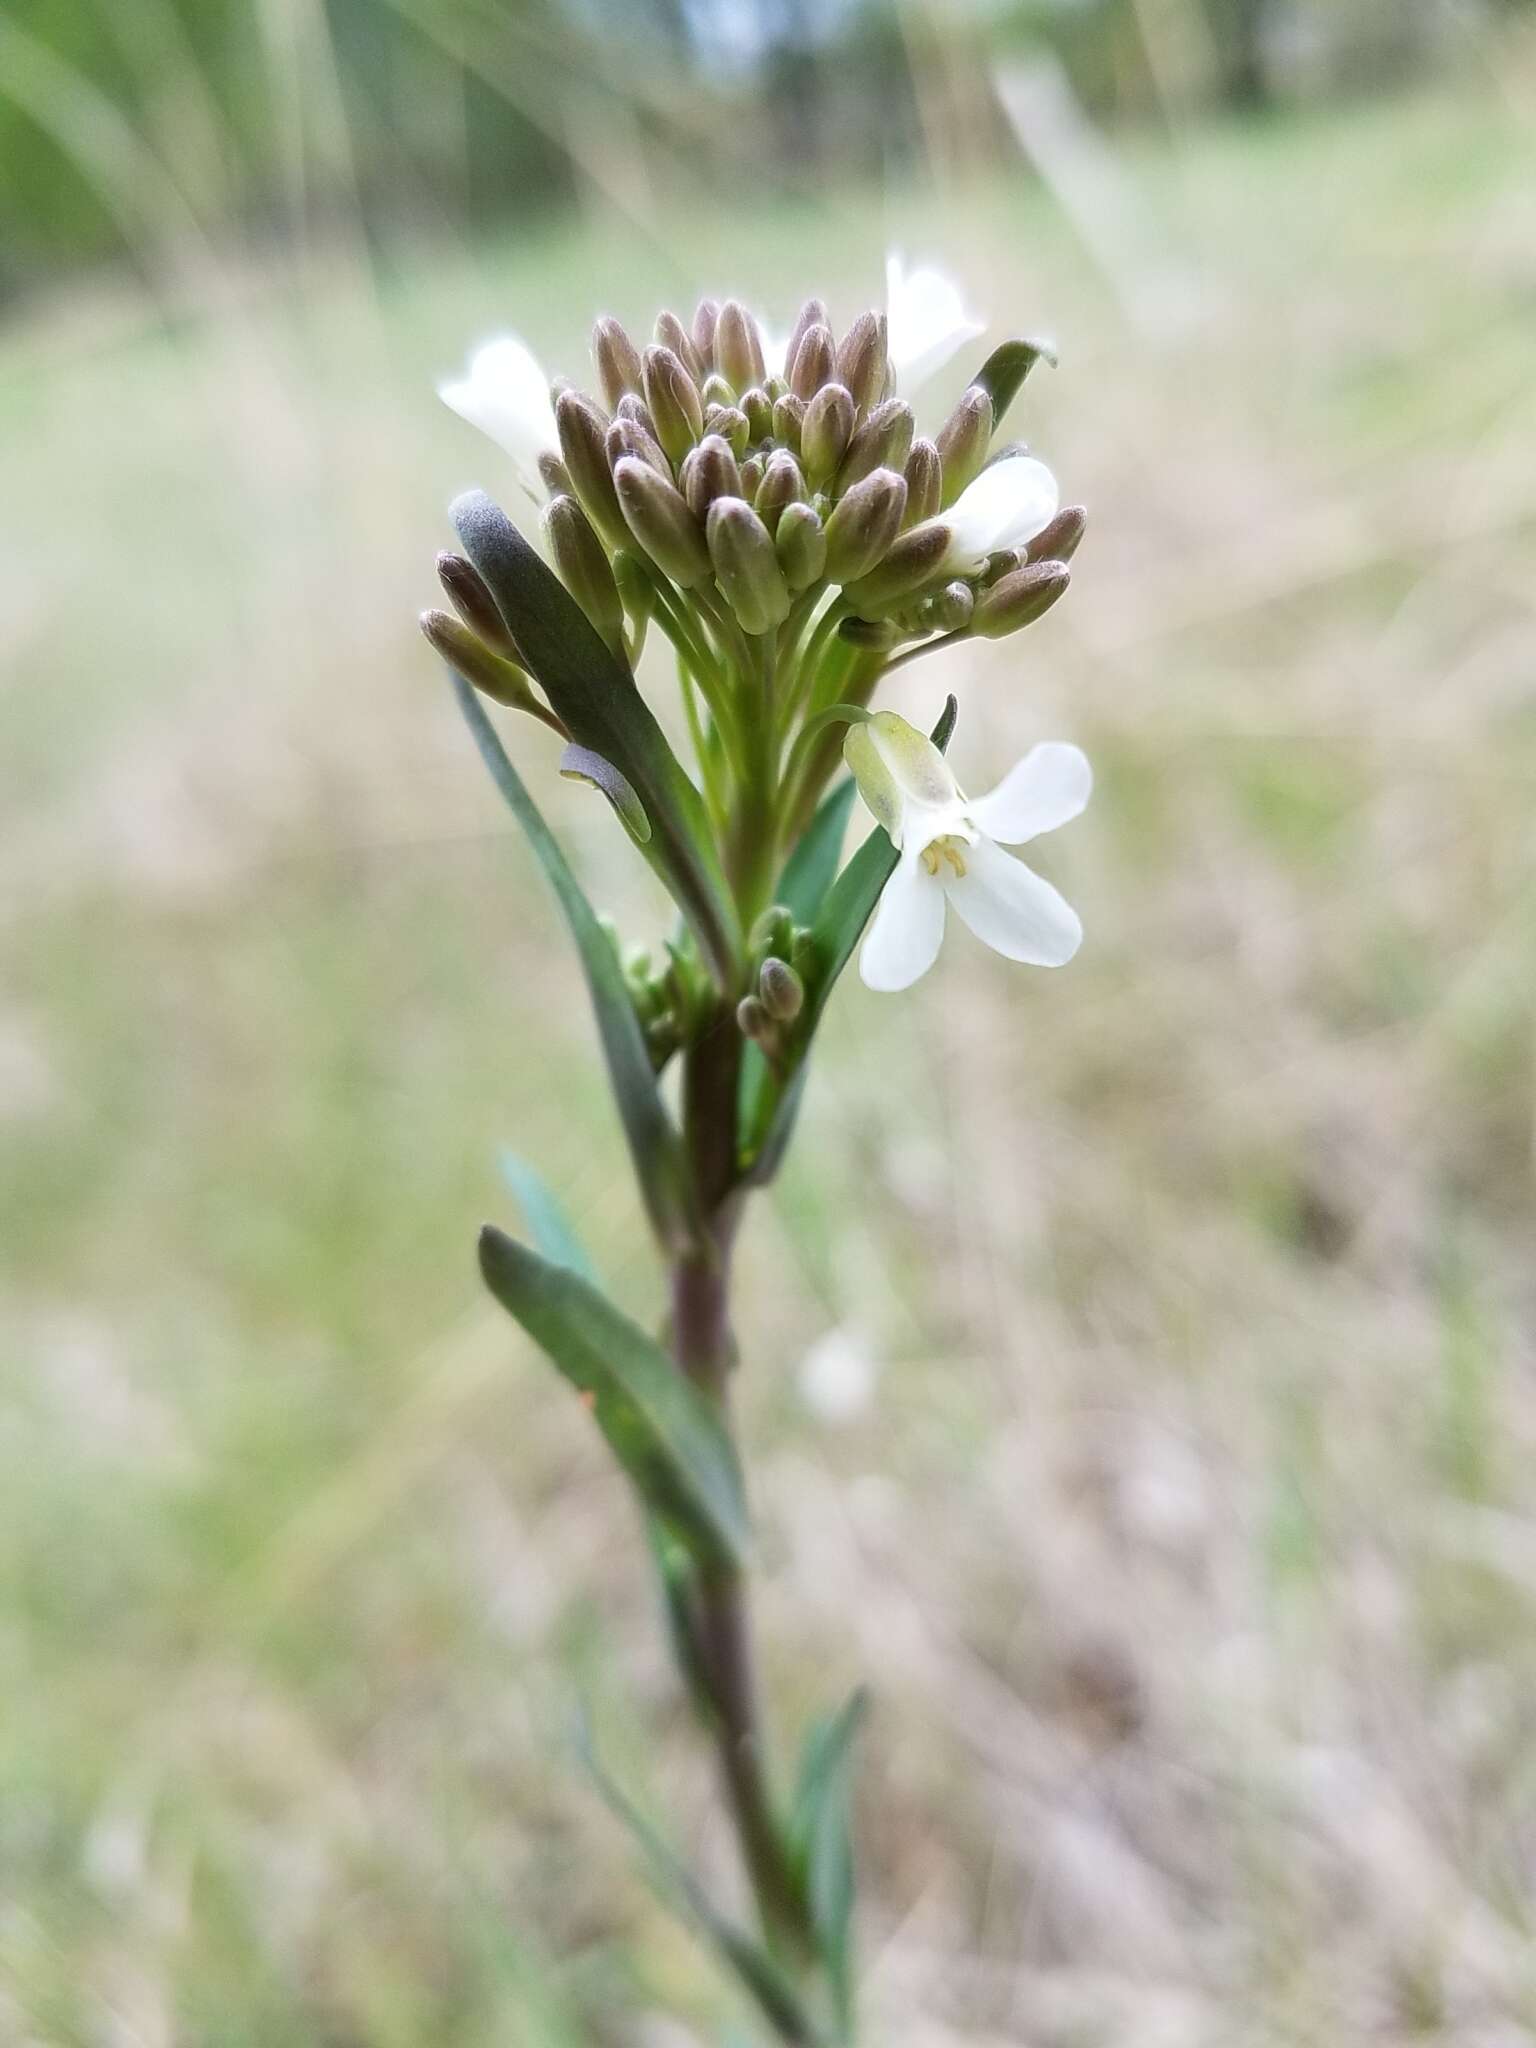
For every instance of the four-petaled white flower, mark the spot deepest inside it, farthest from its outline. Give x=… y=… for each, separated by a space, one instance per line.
x=926 y=321
x=1007 y=505
x=951 y=851
x=506 y=395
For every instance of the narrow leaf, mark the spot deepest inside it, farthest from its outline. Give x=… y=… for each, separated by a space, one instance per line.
x=657 y=1150
x=596 y=695
x=548 y=1225
x=821 y=1842
x=1005 y=370
x=580 y=764
x=659 y=1426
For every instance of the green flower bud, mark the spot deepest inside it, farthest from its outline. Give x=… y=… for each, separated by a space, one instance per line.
x=801 y=546
x=709 y=472
x=617 y=360
x=583 y=448
x=730 y=423
x=715 y=391
x=556 y=476
x=772 y=930
x=626 y=436
x=1059 y=541
x=739 y=347
x=864 y=522
x=705 y=317
x=1019 y=599
x=812 y=314
x=827 y=431
x=782 y=485
x=913 y=562
x=776 y=388
x=948 y=611
x=583 y=568
x=925 y=481
x=470 y=596
x=758 y=407
x=875 y=636
x=752 y=472
x=673 y=398
x=741 y=549
x=862 y=365
x=788 y=419
x=963 y=441
x=883 y=441
x=658 y=516
x=672 y=334
x=780 y=990
x=812 y=364
x=492 y=675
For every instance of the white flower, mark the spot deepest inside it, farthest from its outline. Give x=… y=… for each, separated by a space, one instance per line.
x=926 y=321
x=951 y=850
x=1007 y=505
x=506 y=395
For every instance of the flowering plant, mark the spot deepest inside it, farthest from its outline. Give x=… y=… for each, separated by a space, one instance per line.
x=787 y=531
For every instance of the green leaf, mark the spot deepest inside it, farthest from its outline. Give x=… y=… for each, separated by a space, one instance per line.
x=1005 y=370
x=659 y=1426
x=839 y=925
x=548 y=1224
x=660 y=1163
x=597 y=697
x=820 y=1842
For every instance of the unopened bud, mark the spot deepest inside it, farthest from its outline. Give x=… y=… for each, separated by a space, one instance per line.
x=658 y=516
x=739 y=347
x=913 y=562
x=626 y=436
x=582 y=564
x=800 y=543
x=781 y=990
x=782 y=485
x=827 y=431
x=1059 y=541
x=741 y=549
x=925 y=481
x=812 y=314
x=788 y=419
x=617 y=360
x=948 y=611
x=730 y=423
x=583 y=448
x=861 y=360
x=470 y=595
x=705 y=316
x=555 y=474
x=863 y=524
x=758 y=407
x=963 y=441
x=673 y=398
x=875 y=636
x=672 y=334
x=491 y=673
x=812 y=363
x=753 y=1021
x=633 y=407
x=776 y=388
x=772 y=930
x=715 y=391
x=752 y=472
x=1019 y=599
x=883 y=441
x=709 y=472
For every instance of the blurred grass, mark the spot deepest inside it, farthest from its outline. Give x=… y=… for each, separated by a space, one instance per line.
x=1189 y=1547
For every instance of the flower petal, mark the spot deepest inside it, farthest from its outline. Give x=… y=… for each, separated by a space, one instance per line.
x=1011 y=909
x=919 y=771
x=1050 y=786
x=506 y=395
x=903 y=941
x=1005 y=506
x=926 y=321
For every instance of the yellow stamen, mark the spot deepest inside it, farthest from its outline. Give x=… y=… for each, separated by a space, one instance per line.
x=949 y=848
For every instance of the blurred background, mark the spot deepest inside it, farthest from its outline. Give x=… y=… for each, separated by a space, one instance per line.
x=1141 y=1360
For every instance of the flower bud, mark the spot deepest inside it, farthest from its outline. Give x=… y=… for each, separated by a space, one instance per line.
x=776 y=388
x=470 y=596
x=812 y=314
x=705 y=316
x=553 y=471
x=617 y=360
x=925 y=481
x=812 y=363
x=673 y=398
x=582 y=564
x=963 y=441
x=861 y=363
x=753 y=1021
x=912 y=563
x=709 y=472
x=875 y=636
x=788 y=419
x=1019 y=599
x=492 y=675
x=583 y=448
x=780 y=990
x=948 y=611
x=739 y=347
x=772 y=930
x=633 y=407
x=730 y=423
x=827 y=431
x=715 y=391
x=626 y=436
x=672 y=334
x=863 y=524
x=658 y=516
x=758 y=407
x=782 y=485
x=741 y=549
x=1059 y=541
x=752 y=471
x=801 y=546
x=883 y=441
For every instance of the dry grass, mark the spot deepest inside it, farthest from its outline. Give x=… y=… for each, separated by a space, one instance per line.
x=1190 y=1542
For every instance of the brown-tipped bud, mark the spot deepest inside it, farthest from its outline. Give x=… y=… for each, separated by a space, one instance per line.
x=741 y=548
x=584 y=450
x=963 y=441
x=491 y=673
x=633 y=407
x=672 y=334
x=582 y=565
x=812 y=364
x=863 y=524
x=752 y=472
x=861 y=360
x=754 y=1022
x=827 y=431
x=883 y=441
x=948 y=610
x=617 y=360
x=470 y=595
x=910 y=565
x=782 y=484
x=674 y=402
x=875 y=636
x=1059 y=541
x=780 y=990
x=555 y=474
x=1019 y=599
x=758 y=407
x=788 y=419
x=709 y=472
x=739 y=347
x=801 y=546
x=706 y=315
x=812 y=314
x=658 y=516
x=730 y=423
x=925 y=481
x=626 y=436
